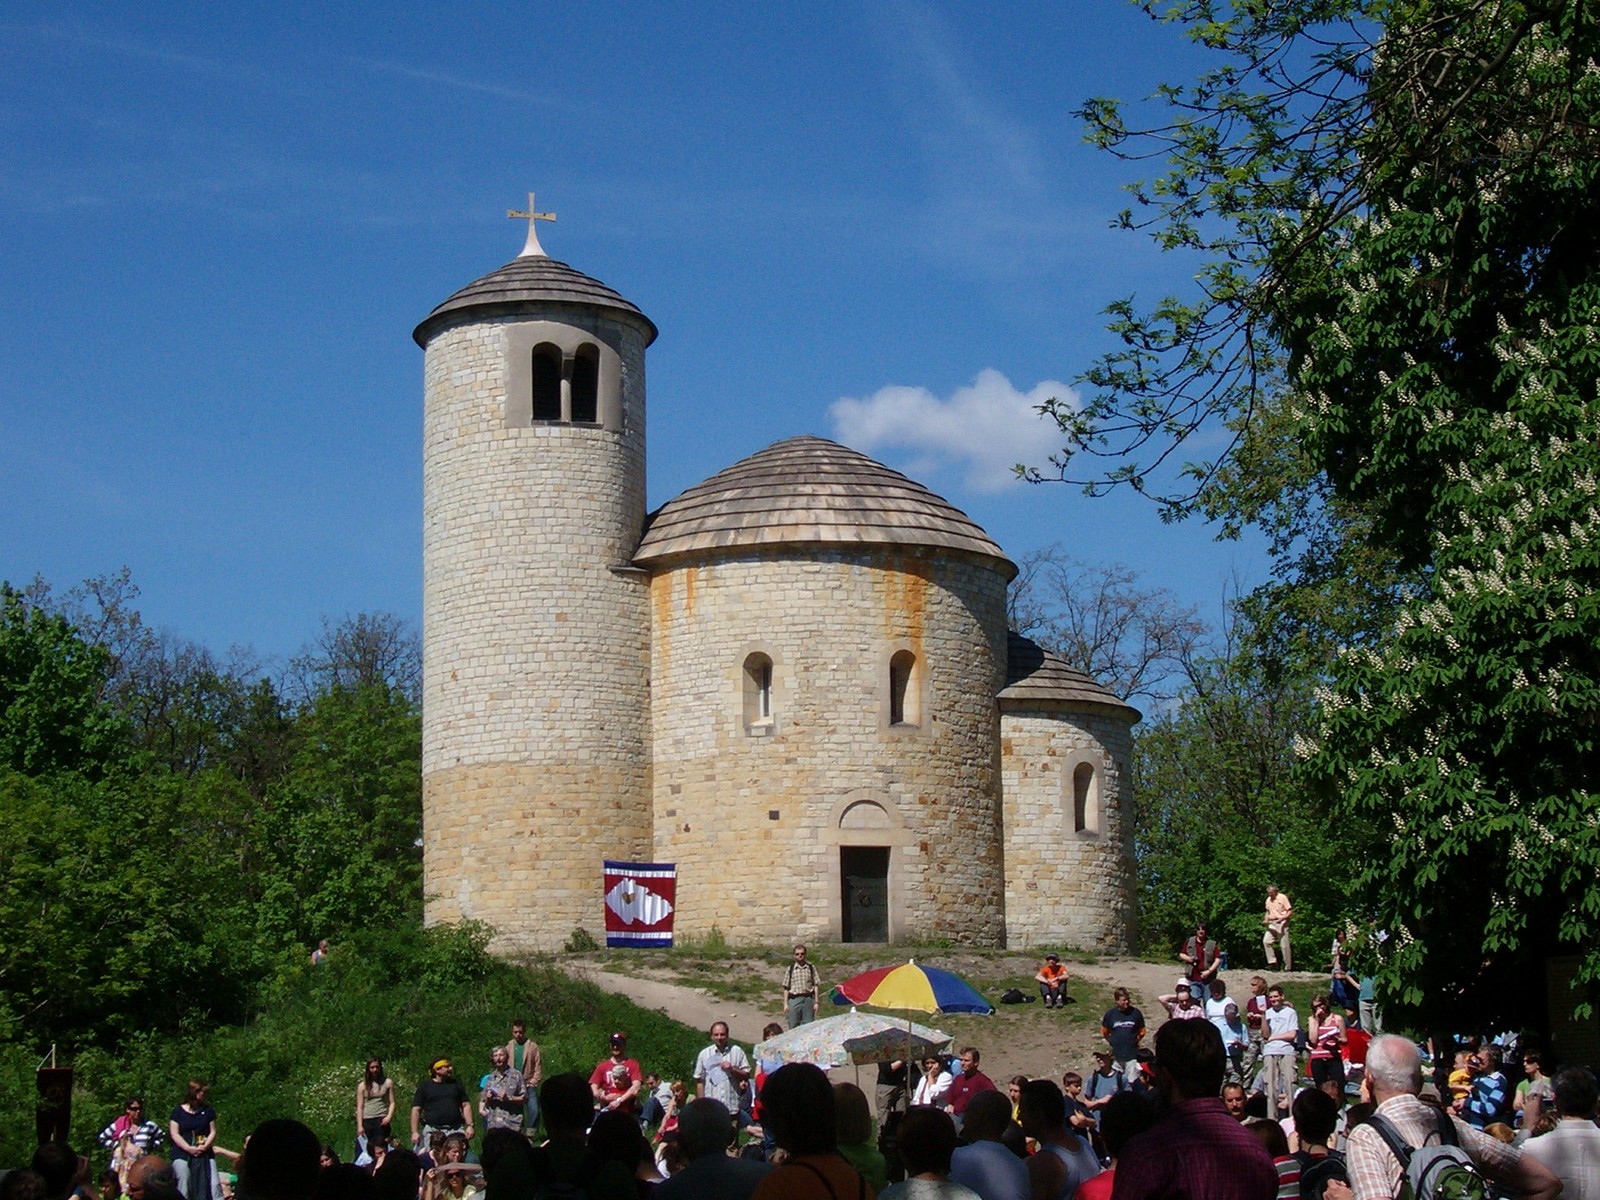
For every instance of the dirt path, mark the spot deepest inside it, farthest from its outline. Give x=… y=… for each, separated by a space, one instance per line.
x=1023 y=1039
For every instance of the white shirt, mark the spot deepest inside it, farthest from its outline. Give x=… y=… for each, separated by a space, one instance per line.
x=1572 y=1151
x=931 y=1093
x=1214 y=1014
x=719 y=1084
x=1285 y=1020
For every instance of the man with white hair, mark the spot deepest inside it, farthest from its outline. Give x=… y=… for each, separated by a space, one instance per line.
x=1393 y=1082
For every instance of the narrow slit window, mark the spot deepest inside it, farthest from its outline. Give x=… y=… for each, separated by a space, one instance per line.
x=546 y=383
x=903 y=697
x=757 y=691
x=1085 y=818
x=586 y=385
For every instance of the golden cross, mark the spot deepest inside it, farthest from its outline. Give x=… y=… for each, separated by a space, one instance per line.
x=531 y=216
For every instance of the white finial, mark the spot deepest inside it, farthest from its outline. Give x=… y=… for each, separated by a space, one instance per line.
x=532 y=216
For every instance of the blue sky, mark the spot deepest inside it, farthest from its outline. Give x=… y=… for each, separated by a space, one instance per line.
x=873 y=222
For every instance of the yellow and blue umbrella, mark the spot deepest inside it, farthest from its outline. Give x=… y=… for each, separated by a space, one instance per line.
x=920 y=989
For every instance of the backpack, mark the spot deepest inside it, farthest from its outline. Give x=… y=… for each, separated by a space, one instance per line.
x=1317 y=1171
x=1016 y=996
x=1442 y=1172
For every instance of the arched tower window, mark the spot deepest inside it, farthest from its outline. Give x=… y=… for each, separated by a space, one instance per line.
x=758 y=712
x=1085 y=800
x=546 y=383
x=559 y=374
x=905 y=707
x=586 y=384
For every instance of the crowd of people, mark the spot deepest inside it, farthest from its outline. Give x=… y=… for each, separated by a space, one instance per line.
x=1226 y=1101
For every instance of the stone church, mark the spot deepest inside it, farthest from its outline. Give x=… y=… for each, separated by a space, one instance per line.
x=795 y=680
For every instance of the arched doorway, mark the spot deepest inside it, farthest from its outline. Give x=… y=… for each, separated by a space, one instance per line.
x=870 y=843
x=864 y=902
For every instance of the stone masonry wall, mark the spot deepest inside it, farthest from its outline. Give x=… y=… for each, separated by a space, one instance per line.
x=753 y=817
x=535 y=649
x=1067 y=889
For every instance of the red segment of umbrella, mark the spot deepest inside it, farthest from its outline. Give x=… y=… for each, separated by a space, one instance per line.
x=914 y=987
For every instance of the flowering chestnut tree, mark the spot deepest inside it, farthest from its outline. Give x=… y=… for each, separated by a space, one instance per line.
x=1398 y=206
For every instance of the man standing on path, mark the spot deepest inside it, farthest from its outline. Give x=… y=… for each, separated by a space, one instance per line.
x=966 y=1085
x=1199 y=953
x=1123 y=1028
x=1572 y=1149
x=525 y=1058
x=1276 y=919
x=720 y=1068
x=440 y=1103
x=1281 y=1029
x=1195 y=1151
x=800 y=987
x=1393 y=1081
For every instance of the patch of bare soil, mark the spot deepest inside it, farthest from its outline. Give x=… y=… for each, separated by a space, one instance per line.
x=1019 y=1039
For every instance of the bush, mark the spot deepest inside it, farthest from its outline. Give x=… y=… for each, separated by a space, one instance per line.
x=580 y=941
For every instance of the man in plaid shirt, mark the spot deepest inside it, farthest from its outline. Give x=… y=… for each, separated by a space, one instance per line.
x=1393 y=1082
x=800 y=987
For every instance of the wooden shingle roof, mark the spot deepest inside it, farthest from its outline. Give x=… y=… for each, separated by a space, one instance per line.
x=529 y=281
x=1037 y=679
x=808 y=491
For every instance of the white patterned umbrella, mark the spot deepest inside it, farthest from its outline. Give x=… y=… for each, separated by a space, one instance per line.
x=853 y=1037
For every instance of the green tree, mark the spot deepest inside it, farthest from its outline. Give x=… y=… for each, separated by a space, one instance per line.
x=1396 y=212
x=173 y=832
x=1221 y=814
x=52 y=716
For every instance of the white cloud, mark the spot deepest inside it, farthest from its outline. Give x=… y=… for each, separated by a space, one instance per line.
x=984 y=429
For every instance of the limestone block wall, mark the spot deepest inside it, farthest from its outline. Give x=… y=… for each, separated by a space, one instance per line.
x=755 y=815
x=1066 y=888
x=535 y=640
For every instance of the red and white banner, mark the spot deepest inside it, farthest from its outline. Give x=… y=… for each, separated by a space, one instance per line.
x=640 y=899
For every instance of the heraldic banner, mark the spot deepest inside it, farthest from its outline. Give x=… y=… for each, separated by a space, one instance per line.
x=640 y=901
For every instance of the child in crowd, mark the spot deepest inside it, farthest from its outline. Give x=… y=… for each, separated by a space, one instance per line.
x=1461 y=1077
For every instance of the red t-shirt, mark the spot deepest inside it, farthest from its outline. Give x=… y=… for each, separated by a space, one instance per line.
x=963 y=1089
x=602 y=1078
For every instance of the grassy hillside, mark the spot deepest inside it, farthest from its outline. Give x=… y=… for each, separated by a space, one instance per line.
x=407 y=997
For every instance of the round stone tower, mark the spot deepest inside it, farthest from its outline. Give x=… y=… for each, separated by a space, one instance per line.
x=535 y=736
x=829 y=639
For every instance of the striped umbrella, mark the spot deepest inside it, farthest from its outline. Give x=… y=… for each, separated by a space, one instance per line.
x=918 y=988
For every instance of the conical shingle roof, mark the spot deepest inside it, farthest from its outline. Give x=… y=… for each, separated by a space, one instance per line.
x=530 y=280
x=1036 y=678
x=808 y=491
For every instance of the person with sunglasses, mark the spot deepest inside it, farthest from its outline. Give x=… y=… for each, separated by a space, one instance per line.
x=129 y=1138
